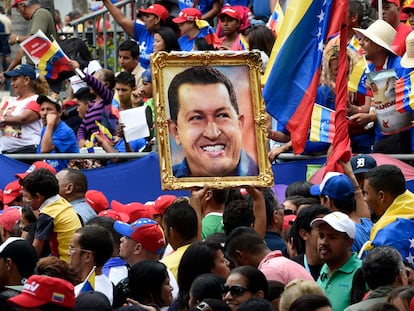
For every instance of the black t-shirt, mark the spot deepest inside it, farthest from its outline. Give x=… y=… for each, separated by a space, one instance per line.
x=314 y=270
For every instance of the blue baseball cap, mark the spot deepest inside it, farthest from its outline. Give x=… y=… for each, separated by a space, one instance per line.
x=22 y=70
x=336 y=186
x=146 y=76
x=145 y=231
x=362 y=163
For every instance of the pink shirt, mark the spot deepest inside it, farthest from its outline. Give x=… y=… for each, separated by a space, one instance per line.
x=276 y=267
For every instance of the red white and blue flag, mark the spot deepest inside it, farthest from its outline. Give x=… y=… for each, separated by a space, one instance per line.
x=292 y=76
x=48 y=56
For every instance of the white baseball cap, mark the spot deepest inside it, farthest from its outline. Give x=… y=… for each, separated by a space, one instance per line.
x=337 y=220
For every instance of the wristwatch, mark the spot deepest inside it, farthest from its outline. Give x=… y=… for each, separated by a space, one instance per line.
x=17 y=39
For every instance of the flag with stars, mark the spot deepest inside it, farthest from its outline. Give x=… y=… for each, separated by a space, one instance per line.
x=292 y=75
x=404 y=95
x=358 y=79
x=322 y=124
x=400 y=235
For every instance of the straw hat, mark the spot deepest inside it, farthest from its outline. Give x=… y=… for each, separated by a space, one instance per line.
x=380 y=32
x=407 y=60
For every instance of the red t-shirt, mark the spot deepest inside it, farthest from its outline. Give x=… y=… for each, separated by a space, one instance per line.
x=398 y=45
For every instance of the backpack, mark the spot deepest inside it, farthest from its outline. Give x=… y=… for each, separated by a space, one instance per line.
x=75 y=49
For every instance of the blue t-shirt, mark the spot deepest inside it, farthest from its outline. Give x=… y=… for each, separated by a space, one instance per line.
x=362 y=233
x=136 y=145
x=64 y=140
x=187 y=44
x=237 y=2
x=145 y=40
x=203 y=5
x=261 y=8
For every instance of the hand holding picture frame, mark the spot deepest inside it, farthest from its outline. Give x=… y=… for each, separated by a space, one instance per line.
x=210 y=119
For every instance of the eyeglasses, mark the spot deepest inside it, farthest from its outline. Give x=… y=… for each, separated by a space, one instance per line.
x=72 y=249
x=235 y=290
x=26 y=200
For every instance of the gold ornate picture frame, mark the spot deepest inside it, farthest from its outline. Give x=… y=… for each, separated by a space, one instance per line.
x=239 y=155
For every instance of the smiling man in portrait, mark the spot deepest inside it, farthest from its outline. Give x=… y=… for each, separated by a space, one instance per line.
x=205 y=122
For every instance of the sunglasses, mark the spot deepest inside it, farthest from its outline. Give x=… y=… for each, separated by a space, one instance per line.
x=235 y=290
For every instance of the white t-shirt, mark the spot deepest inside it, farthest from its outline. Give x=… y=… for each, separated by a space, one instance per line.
x=18 y=136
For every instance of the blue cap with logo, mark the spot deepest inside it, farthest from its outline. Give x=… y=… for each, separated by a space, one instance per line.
x=22 y=70
x=336 y=186
x=362 y=163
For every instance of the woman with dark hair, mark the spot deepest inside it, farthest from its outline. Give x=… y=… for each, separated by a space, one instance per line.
x=53 y=266
x=207 y=285
x=149 y=284
x=244 y=283
x=311 y=302
x=209 y=258
x=261 y=38
x=165 y=39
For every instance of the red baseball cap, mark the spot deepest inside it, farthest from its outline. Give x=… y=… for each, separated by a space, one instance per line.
x=162 y=203
x=396 y=2
x=9 y=218
x=41 y=289
x=134 y=210
x=145 y=231
x=229 y=11
x=187 y=15
x=97 y=200
x=157 y=10
x=16 y=2
x=114 y=215
x=408 y=8
x=35 y=166
x=11 y=192
x=287 y=220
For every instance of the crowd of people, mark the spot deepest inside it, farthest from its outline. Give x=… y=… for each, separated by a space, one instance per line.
x=329 y=246
x=343 y=244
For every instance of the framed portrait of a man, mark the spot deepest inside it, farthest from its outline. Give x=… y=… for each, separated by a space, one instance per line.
x=210 y=120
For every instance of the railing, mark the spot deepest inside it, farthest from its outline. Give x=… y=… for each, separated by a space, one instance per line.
x=135 y=155
x=90 y=34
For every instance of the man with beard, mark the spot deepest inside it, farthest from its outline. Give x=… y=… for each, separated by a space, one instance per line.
x=336 y=236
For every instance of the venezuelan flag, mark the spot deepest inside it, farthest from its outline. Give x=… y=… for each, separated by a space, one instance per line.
x=396 y=227
x=89 y=144
x=54 y=62
x=103 y=131
x=404 y=95
x=322 y=124
x=275 y=20
x=244 y=46
x=89 y=283
x=116 y=105
x=355 y=45
x=48 y=56
x=358 y=78
x=208 y=32
x=292 y=76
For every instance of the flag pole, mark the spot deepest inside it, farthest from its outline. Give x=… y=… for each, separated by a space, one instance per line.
x=90 y=273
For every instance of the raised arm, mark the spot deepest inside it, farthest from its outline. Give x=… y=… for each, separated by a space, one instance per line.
x=126 y=23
